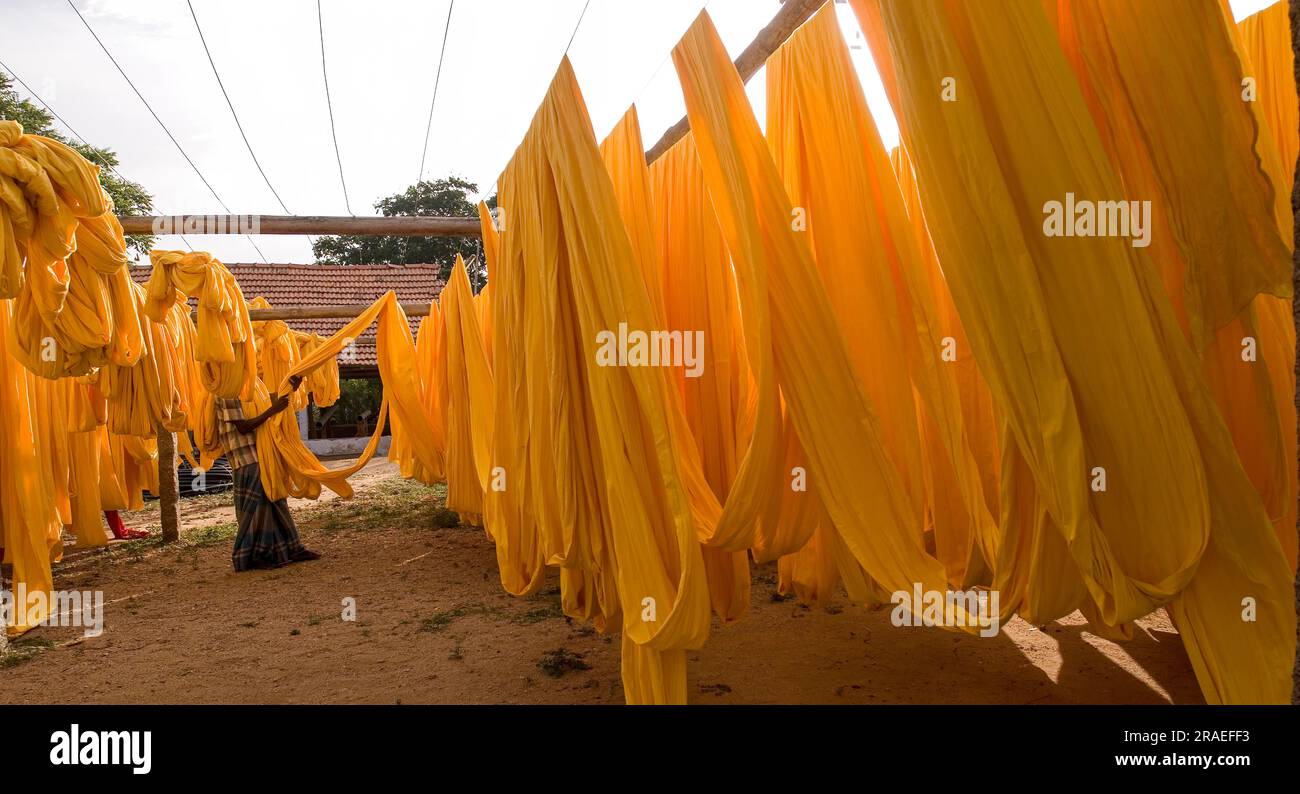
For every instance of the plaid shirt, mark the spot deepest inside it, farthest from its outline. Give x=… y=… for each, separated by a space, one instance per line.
x=241 y=449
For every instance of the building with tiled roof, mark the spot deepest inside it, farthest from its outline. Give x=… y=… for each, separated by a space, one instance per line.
x=334 y=285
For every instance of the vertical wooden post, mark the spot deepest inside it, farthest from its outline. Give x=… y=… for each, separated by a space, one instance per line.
x=169 y=492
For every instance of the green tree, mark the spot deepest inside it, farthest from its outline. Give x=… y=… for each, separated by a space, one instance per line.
x=129 y=198
x=450 y=196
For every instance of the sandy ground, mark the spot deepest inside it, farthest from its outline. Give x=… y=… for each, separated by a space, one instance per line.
x=434 y=626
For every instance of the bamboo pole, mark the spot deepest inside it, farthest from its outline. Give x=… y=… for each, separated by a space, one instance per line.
x=397 y=225
x=793 y=13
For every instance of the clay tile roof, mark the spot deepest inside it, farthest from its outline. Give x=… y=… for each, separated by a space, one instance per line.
x=333 y=285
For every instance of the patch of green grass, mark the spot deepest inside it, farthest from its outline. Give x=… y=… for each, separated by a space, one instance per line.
x=551 y=610
x=393 y=502
x=560 y=661
x=23 y=650
x=442 y=620
x=210 y=535
x=446 y=519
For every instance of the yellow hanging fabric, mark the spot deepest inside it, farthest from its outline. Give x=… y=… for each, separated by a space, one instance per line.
x=28 y=518
x=624 y=157
x=1264 y=44
x=1165 y=89
x=508 y=505
x=403 y=397
x=469 y=410
x=862 y=491
x=428 y=357
x=277 y=353
x=847 y=198
x=1140 y=103
x=978 y=416
x=323 y=383
x=483 y=300
x=727 y=571
x=224 y=343
x=623 y=449
x=1265 y=40
x=163 y=388
x=699 y=291
x=63 y=257
x=1077 y=332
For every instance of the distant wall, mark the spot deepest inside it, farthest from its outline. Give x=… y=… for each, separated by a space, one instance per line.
x=352 y=447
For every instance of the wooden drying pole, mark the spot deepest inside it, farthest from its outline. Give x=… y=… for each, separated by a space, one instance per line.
x=793 y=13
x=395 y=225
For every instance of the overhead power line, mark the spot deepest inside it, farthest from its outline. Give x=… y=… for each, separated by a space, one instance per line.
x=572 y=36
x=221 y=84
x=175 y=142
x=231 y=105
x=575 y=27
x=320 y=23
x=437 y=78
x=69 y=128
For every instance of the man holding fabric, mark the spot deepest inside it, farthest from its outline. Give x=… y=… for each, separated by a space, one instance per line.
x=267 y=536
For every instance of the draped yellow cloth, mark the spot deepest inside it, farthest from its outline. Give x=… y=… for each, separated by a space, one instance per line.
x=1216 y=242
x=467 y=397
x=699 y=293
x=1078 y=332
x=1264 y=45
x=323 y=383
x=29 y=518
x=847 y=198
x=225 y=347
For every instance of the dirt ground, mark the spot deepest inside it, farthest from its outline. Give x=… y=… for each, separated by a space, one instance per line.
x=434 y=626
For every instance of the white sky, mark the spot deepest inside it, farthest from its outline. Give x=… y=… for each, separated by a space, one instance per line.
x=381 y=55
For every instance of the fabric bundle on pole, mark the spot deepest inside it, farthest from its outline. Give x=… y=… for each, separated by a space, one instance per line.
x=1078 y=332
x=163 y=389
x=63 y=258
x=924 y=373
x=224 y=341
